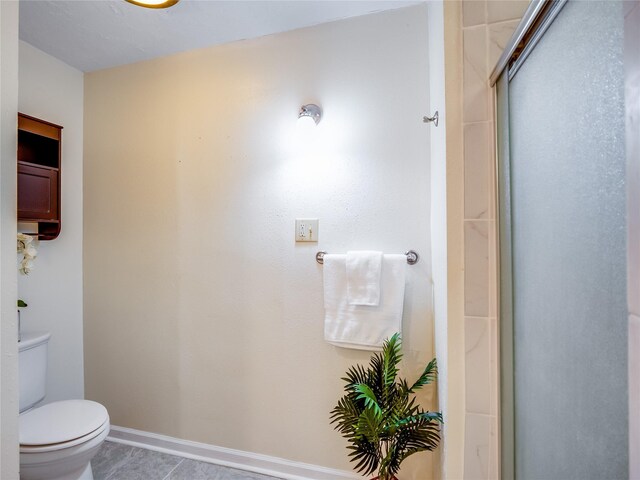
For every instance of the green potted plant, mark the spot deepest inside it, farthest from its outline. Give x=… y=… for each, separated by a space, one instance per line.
x=379 y=416
x=21 y=304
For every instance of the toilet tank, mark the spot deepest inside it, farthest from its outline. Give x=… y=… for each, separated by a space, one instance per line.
x=32 y=368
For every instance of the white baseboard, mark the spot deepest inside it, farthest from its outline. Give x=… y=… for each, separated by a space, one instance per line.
x=203 y=452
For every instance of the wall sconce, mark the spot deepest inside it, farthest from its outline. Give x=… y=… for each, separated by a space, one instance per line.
x=310 y=111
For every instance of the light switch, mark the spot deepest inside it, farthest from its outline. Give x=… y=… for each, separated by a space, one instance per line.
x=306 y=229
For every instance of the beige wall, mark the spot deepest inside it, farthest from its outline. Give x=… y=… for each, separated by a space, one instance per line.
x=8 y=282
x=53 y=91
x=481 y=30
x=203 y=318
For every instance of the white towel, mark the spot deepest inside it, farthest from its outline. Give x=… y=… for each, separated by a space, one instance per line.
x=360 y=326
x=363 y=277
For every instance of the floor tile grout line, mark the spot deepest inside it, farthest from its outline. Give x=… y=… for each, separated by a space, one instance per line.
x=172 y=470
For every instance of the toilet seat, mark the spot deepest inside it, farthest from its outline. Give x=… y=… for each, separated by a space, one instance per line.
x=60 y=425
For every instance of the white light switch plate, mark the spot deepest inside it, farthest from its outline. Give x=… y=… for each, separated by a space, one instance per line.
x=306 y=229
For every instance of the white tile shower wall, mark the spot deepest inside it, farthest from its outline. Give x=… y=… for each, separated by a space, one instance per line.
x=476 y=95
x=499 y=35
x=478 y=433
x=477 y=340
x=476 y=173
x=476 y=260
x=486 y=28
x=500 y=10
x=474 y=13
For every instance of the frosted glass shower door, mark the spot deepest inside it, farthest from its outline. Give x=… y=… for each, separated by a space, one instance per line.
x=567 y=227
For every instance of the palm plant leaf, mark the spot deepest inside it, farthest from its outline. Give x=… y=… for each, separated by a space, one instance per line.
x=402 y=406
x=366 y=394
x=428 y=416
x=428 y=376
x=421 y=437
x=369 y=425
x=356 y=374
x=388 y=462
x=379 y=416
x=345 y=414
x=365 y=454
x=376 y=374
x=391 y=356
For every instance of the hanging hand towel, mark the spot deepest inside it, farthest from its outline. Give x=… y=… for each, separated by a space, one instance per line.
x=363 y=277
x=363 y=327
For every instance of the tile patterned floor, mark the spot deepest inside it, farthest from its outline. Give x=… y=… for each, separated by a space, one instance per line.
x=115 y=461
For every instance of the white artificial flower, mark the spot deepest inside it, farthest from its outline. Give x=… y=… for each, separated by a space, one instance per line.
x=28 y=251
x=25 y=266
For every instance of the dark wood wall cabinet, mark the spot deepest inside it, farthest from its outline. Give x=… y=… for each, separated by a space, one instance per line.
x=39 y=153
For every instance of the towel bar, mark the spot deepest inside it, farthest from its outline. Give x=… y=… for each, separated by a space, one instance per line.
x=412 y=257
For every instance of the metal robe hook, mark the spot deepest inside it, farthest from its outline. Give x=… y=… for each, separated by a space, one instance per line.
x=433 y=119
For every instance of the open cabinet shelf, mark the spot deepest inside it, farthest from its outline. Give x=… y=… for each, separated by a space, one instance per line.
x=39 y=154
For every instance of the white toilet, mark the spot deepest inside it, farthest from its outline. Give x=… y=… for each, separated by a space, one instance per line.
x=57 y=440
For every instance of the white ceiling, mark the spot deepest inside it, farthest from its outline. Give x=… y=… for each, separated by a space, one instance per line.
x=94 y=34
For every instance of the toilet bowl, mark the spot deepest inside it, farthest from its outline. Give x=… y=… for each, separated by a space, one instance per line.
x=59 y=439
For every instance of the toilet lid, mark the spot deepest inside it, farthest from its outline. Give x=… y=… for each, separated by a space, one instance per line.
x=60 y=422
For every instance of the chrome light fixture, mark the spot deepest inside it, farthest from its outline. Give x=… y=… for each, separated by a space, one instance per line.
x=154 y=3
x=312 y=111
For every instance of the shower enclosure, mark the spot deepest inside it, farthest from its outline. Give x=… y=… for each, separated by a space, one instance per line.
x=562 y=214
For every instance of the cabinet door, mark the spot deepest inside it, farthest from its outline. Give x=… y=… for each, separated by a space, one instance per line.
x=37 y=193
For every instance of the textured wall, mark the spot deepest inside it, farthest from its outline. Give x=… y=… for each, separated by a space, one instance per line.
x=8 y=325
x=53 y=91
x=203 y=318
x=445 y=243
